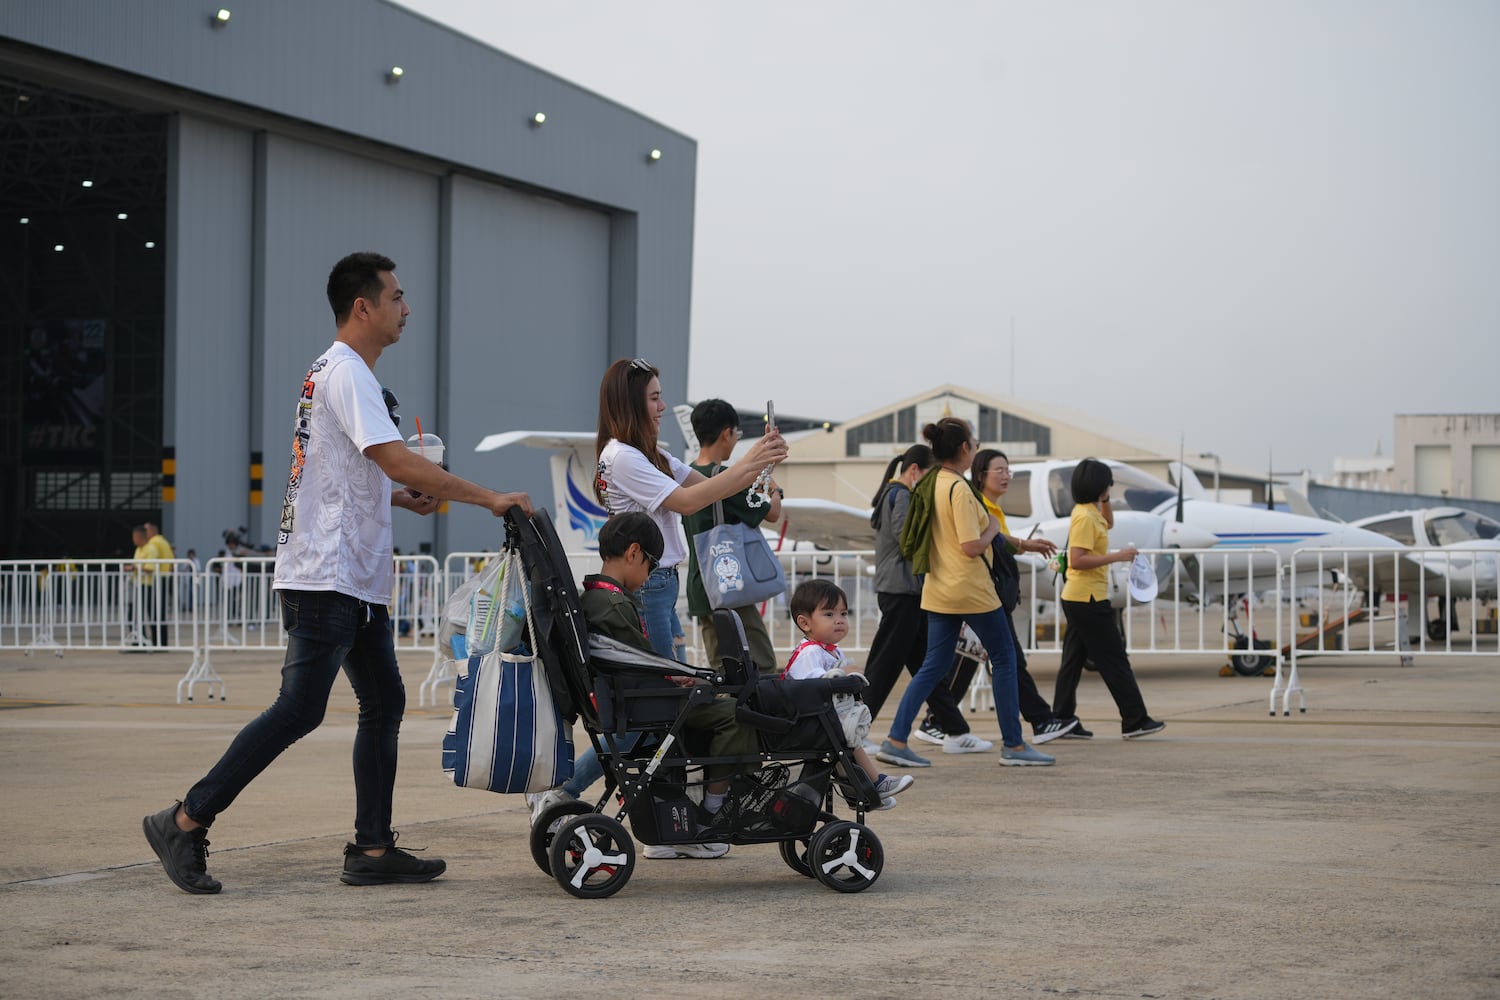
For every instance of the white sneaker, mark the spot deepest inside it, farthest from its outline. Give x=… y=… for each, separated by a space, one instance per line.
x=967 y=743
x=890 y=784
x=539 y=801
x=666 y=851
x=884 y=805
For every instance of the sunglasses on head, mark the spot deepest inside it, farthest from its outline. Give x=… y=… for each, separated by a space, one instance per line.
x=642 y=365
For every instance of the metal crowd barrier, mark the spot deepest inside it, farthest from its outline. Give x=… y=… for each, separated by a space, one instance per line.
x=1319 y=602
x=1358 y=598
x=97 y=604
x=1178 y=621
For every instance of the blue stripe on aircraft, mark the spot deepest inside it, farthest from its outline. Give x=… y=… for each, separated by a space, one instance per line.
x=1232 y=538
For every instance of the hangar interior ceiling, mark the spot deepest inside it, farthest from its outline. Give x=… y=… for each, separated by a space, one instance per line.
x=83 y=203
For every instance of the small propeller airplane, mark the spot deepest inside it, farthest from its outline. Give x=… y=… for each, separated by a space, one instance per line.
x=1466 y=569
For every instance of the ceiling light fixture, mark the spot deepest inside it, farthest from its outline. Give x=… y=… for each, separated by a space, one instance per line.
x=538 y=120
x=653 y=156
x=220 y=19
x=395 y=74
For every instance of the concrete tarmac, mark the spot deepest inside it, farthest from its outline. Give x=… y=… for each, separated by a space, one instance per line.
x=1348 y=852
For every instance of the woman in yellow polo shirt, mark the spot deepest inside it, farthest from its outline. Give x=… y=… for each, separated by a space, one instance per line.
x=1092 y=632
x=957 y=591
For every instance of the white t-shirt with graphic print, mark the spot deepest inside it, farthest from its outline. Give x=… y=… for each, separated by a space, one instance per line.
x=335 y=529
x=630 y=482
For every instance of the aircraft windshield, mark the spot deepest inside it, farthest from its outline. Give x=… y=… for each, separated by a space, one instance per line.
x=1016 y=500
x=1464 y=526
x=1133 y=490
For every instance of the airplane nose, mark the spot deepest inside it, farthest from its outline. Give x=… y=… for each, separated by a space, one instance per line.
x=1185 y=536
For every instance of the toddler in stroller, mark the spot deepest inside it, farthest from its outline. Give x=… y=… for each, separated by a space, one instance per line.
x=820 y=609
x=780 y=788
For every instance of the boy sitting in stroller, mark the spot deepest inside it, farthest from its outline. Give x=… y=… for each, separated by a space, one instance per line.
x=630 y=545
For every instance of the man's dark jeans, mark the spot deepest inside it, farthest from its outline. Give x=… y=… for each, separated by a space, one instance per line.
x=325 y=630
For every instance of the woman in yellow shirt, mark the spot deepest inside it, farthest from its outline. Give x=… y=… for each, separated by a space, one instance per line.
x=1092 y=632
x=957 y=591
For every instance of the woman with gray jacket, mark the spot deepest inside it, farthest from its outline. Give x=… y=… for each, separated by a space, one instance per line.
x=901 y=638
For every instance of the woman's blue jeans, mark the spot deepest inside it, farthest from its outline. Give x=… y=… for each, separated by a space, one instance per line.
x=942 y=639
x=325 y=631
x=658 y=608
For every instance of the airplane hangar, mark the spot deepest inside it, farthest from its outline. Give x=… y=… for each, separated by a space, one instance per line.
x=177 y=182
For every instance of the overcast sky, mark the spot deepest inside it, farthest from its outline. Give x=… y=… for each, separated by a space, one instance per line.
x=1269 y=225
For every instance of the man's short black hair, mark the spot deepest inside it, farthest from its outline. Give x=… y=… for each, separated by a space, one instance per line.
x=624 y=530
x=357 y=276
x=710 y=417
x=1091 y=480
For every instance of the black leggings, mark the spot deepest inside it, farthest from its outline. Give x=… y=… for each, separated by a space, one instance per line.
x=1093 y=635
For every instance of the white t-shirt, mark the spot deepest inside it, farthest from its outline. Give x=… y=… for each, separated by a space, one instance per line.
x=813 y=659
x=630 y=482
x=336 y=518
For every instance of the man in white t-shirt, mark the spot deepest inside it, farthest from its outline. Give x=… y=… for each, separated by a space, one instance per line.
x=333 y=575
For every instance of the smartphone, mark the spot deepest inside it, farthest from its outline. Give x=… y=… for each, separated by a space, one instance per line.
x=770 y=416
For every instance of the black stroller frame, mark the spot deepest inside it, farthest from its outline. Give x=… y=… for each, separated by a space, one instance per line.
x=637 y=720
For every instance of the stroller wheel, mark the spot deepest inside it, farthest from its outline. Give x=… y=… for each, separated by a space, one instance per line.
x=794 y=853
x=547 y=825
x=592 y=856
x=845 y=856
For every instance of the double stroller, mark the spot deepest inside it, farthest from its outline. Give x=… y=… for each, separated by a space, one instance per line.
x=783 y=795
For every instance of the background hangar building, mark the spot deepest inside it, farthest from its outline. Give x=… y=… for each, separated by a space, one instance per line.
x=173 y=191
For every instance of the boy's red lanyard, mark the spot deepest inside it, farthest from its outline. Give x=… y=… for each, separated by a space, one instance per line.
x=601 y=585
x=800 y=647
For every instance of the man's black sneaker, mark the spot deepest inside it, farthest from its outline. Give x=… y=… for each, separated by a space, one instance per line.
x=184 y=856
x=1053 y=728
x=1146 y=728
x=395 y=865
x=1077 y=732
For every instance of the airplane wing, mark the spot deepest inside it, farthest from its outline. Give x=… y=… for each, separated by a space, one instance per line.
x=538 y=439
x=827 y=524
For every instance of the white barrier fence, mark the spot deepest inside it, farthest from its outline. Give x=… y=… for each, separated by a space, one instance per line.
x=1321 y=601
x=128 y=605
x=98 y=604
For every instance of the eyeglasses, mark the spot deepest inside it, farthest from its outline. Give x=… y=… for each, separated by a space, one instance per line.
x=642 y=365
x=739 y=432
x=655 y=561
x=391 y=402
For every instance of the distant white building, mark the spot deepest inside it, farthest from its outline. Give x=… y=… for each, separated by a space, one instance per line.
x=1448 y=454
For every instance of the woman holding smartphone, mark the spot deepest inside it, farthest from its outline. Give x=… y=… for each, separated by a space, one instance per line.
x=636 y=472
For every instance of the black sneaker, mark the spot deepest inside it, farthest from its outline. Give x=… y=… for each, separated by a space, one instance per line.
x=1077 y=732
x=1146 y=728
x=1053 y=728
x=930 y=732
x=184 y=856
x=395 y=865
